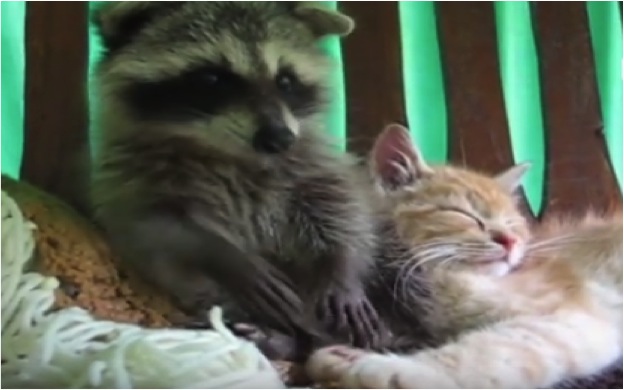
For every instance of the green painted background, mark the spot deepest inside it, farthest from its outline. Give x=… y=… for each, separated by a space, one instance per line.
x=424 y=90
x=12 y=72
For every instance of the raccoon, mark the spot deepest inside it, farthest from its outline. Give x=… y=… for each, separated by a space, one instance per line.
x=214 y=178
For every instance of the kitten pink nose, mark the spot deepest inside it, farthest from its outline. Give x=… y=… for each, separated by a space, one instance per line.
x=505 y=240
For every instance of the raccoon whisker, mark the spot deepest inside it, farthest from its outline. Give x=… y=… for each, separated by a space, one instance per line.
x=310 y=109
x=200 y=114
x=236 y=134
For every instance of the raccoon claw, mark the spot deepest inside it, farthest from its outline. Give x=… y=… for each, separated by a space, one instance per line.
x=247 y=331
x=199 y=322
x=274 y=345
x=194 y=324
x=353 y=314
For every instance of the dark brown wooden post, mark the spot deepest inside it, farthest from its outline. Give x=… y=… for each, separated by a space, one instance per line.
x=373 y=72
x=56 y=119
x=479 y=133
x=579 y=174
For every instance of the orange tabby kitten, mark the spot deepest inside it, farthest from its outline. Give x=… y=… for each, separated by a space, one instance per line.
x=514 y=309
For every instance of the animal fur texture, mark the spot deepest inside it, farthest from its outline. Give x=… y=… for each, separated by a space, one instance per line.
x=510 y=308
x=214 y=178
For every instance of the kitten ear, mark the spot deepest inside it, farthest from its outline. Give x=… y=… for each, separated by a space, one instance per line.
x=395 y=160
x=511 y=178
x=323 y=21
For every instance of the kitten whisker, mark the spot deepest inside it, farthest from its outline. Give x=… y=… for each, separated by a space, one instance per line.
x=554 y=244
x=407 y=271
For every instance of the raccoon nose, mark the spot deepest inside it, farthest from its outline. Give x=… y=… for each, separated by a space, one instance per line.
x=273 y=139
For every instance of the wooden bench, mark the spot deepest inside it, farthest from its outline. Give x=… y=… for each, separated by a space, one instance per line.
x=577 y=170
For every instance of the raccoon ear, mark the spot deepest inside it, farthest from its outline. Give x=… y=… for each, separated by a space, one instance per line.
x=323 y=21
x=395 y=160
x=119 y=21
x=511 y=178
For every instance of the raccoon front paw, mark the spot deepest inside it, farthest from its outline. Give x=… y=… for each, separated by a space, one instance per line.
x=353 y=368
x=350 y=313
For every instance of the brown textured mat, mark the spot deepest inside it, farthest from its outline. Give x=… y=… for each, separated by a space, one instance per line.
x=71 y=249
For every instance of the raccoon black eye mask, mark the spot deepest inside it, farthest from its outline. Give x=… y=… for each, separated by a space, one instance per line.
x=213 y=177
x=197 y=93
x=210 y=89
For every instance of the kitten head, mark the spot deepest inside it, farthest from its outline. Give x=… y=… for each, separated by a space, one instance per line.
x=245 y=78
x=451 y=217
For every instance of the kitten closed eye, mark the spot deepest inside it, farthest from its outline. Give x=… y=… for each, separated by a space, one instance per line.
x=464 y=216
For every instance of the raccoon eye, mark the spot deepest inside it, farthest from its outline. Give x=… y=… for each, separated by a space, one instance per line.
x=210 y=78
x=286 y=81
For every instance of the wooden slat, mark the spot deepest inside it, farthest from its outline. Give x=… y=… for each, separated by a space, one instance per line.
x=56 y=120
x=579 y=174
x=478 y=129
x=373 y=78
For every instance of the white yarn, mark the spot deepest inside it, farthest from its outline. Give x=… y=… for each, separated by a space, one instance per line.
x=70 y=349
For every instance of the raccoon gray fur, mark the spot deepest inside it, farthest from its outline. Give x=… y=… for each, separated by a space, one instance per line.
x=214 y=178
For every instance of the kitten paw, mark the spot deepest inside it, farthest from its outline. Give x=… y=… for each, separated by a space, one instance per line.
x=330 y=364
x=353 y=368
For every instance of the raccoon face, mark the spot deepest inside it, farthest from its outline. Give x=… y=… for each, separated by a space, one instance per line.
x=239 y=76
